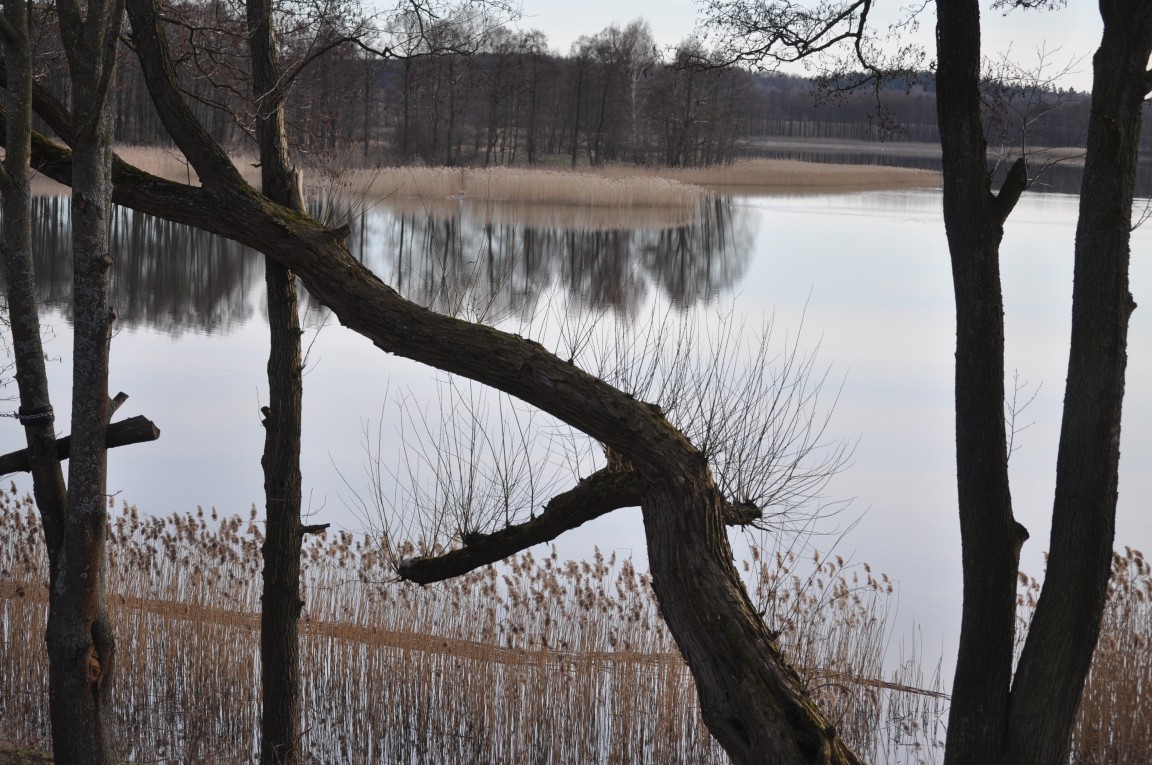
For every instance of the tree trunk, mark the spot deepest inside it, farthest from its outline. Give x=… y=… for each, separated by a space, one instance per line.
x=581 y=66
x=1029 y=720
x=281 y=603
x=81 y=648
x=990 y=536
x=23 y=311
x=751 y=699
x=533 y=98
x=1064 y=630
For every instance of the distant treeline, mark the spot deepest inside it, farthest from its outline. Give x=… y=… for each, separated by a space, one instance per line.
x=454 y=98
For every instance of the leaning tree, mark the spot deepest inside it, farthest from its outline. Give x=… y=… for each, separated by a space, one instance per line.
x=751 y=699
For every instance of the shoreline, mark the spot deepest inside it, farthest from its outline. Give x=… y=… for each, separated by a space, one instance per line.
x=621 y=186
x=616 y=186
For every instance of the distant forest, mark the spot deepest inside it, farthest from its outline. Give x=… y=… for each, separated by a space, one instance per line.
x=509 y=100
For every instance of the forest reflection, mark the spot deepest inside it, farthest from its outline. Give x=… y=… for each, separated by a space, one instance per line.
x=166 y=277
x=173 y=279
x=474 y=263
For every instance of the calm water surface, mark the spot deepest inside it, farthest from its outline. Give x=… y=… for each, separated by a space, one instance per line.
x=866 y=276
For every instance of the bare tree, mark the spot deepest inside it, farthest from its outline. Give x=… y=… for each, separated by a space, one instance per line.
x=998 y=715
x=751 y=699
x=28 y=350
x=284 y=533
x=81 y=647
x=477 y=470
x=1019 y=103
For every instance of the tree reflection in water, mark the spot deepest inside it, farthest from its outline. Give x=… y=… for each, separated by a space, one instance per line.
x=165 y=277
x=471 y=264
x=173 y=279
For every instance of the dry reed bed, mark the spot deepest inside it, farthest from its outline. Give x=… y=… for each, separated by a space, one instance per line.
x=611 y=186
x=603 y=198
x=538 y=661
x=532 y=186
x=783 y=176
x=628 y=187
x=596 y=198
x=1114 y=722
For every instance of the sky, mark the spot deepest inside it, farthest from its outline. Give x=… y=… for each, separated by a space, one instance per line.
x=1068 y=35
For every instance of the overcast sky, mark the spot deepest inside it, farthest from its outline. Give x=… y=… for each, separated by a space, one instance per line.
x=1072 y=33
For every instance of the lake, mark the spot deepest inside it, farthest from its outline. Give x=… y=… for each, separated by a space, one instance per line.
x=864 y=276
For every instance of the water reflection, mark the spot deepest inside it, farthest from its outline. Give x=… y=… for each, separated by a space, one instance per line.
x=472 y=261
x=172 y=279
x=166 y=277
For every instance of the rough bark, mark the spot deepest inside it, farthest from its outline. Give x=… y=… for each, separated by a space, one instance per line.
x=750 y=698
x=281 y=601
x=990 y=536
x=81 y=648
x=24 y=314
x=134 y=430
x=1064 y=630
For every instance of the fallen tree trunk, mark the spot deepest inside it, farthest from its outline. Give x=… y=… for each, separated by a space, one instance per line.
x=134 y=430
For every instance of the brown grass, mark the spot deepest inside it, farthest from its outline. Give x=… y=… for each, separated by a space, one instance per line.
x=538 y=660
x=628 y=187
x=597 y=198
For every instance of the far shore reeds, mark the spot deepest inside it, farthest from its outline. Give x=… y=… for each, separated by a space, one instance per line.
x=630 y=186
x=618 y=186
